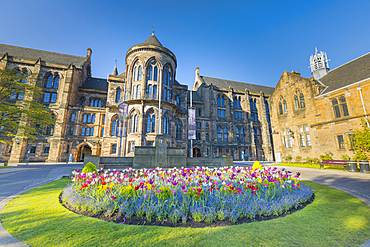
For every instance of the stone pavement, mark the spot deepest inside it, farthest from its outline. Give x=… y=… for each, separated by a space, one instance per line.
x=24 y=178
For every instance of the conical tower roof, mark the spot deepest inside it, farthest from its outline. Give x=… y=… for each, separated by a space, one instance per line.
x=115 y=70
x=152 y=40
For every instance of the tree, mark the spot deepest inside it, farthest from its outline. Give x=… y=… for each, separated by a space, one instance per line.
x=360 y=142
x=21 y=115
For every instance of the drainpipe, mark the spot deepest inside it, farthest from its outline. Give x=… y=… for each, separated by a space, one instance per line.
x=363 y=105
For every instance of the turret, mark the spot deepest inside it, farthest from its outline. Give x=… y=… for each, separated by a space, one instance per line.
x=319 y=64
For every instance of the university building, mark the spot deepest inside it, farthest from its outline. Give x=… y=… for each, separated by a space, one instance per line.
x=312 y=116
x=232 y=118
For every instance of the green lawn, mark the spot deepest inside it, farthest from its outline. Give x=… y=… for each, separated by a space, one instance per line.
x=308 y=165
x=333 y=219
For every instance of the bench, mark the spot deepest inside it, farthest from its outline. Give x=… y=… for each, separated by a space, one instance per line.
x=337 y=163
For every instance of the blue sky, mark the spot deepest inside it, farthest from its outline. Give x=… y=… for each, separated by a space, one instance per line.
x=247 y=41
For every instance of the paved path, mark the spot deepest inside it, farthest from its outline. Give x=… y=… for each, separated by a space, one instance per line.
x=23 y=178
x=17 y=180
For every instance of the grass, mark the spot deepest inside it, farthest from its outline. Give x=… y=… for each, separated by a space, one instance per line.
x=333 y=219
x=309 y=165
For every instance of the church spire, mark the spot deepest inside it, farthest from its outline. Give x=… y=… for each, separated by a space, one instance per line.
x=319 y=64
x=115 y=70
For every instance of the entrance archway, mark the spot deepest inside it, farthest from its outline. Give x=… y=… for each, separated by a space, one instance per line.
x=83 y=151
x=196 y=152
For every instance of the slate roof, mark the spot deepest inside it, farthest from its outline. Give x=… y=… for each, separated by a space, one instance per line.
x=46 y=56
x=238 y=86
x=152 y=40
x=95 y=83
x=347 y=74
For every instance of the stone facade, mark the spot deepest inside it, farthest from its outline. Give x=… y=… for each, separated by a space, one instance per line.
x=312 y=116
x=232 y=117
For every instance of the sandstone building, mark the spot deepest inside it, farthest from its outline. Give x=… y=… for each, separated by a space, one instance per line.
x=311 y=116
x=232 y=118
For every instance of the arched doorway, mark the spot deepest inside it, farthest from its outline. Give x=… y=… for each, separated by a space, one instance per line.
x=196 y=152
x=83 y=151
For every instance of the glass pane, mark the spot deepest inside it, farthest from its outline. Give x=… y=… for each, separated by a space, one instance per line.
x=155 y=73
x=300 y=128
x=345 y=109
x=140 y=72
x=342 y=99
x=149 y=121
x=153 y=124
x=334 y=102
x=56 y=82
x=308 y=140
x=296 y=103
x=305 y=128
x=150 y=73
x=154 y=92
x=53 y=98
x=47 y=97
x=337 y=111
x=150 y=91
x=49 y=82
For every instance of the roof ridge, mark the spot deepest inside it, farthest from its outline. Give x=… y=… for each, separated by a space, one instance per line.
x=43 y=51
x=349 y=62
x=237 y=81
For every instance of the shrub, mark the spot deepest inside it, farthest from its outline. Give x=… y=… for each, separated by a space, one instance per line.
x=307 y=160
x=288 y=158
x=298 y=158
x=326 y=156
x=345 y=157
x=359 y=156
x=89 y=167
x=257 y=165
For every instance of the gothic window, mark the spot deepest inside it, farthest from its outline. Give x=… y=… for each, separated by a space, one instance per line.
x=343 y=104
x=150 y=91
x=301 y=101
x=254 y=112
x=218 y=101
x=73 y=117
x=165 y=95
x=267 y=111
x=140 y=73
x=115 y=126
x=89 y=118
x=242 y=134
x=93 y=118
x=280 y=108
x=92 y=103
x=155 y=73
x=134 y=123
x=304 y=136
x=155 y=92
x=134 y=92
x=138 y=92
x=83 y=130
x=285 y=107
x=135 y=73
x=151 y=122
x=152 y=72
x=84 y=119
x=100 y=103
x=50 y=97
x=237 y=104
x=296 y=102
x=222 y=101
x=70 y=131
x=178 y=130
x=219 y=134
x=237 y=134
x=336 y=108
x=52 y=82
x=118 y=95
x=166 y=124
x=226 y=134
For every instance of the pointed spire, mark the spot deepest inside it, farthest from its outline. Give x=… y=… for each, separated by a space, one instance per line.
x=115 y=70
x=153 y=30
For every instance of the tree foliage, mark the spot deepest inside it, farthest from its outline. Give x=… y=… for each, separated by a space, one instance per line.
x=360 y=142
x=21 y=115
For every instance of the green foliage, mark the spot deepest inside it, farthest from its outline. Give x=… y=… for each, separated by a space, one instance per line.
x=360 y=140
x=345 y=157
x=298 y=158
x=165 y=193
x=326 y=156
x=195 y=192
x=128 y=191
x=288 y=158
x=21 y=115
x=307 y=160
x=257 y=165
x=89 y=167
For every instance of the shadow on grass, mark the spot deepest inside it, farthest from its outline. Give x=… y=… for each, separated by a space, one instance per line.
x=334 y=218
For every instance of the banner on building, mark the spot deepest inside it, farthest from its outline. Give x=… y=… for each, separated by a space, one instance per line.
x=191 y=122
x=122 y=111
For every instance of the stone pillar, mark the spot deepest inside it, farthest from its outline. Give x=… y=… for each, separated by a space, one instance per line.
x=161 y=151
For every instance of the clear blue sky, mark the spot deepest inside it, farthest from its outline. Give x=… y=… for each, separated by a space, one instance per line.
x=247 y=41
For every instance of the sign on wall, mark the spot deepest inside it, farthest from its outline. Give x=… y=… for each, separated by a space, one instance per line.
x=191 y=122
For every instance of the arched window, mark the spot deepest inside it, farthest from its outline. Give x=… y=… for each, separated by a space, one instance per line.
x=280 y=108
x=134 y=92
x=150 y=74
x=343 y=105
x=134 y=122
x=56 y=82
x=301 y=100
x=135 y=74
x=49 y=82
x=154 y=92
x=178 y=130
x=165 y=95
x=84 y=119
x=92 y=131
x=151 y=122
x=218 y=101
x=239 y=104
x=165 y=77
x=118 y=95
x=138 y=92
x=73 y=117
x=336 y=108
x=150 y=91
x=166 y=124
x=296 y=103
x=285 y=107
x=139 y=73
x=96 y=103
x=219 y=134
x=99 y=104
x=92 y=102
x=115 y=126
x=237 y=134
x=222 y=101
x=235 y=103
x=155 y=73
x=83 y=129
x=87 y=131
x=226 y=134
x=89 y=118
x=93 y=118
x=242 y=134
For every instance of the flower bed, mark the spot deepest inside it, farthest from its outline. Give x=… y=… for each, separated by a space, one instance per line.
x=201 y=194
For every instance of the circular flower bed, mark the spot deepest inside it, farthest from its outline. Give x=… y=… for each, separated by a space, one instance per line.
x=179 y=195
